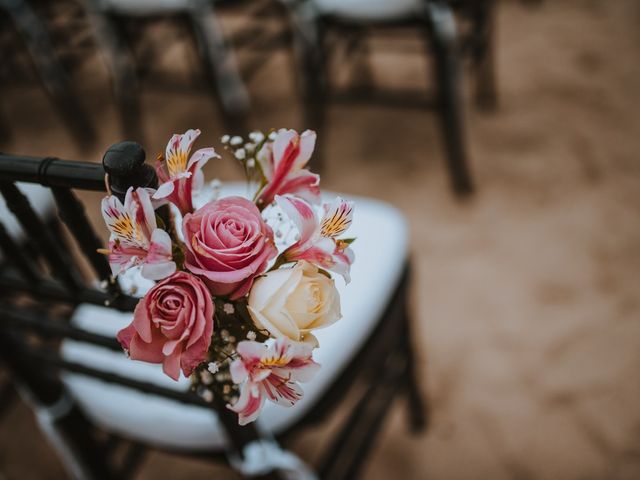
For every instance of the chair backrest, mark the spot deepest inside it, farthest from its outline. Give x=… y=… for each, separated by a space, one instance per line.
x=34 y=285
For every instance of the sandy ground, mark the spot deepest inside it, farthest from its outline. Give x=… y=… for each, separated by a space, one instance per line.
x=526 y=297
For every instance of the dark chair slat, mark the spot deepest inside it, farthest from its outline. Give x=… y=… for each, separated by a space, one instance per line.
x=47 y=356
x=72 y=212
x=7 y=396
x=56 y=257
x=40 y=322
x=14 y=255
x=346 y=455
x=144 y=387
x=51 y=290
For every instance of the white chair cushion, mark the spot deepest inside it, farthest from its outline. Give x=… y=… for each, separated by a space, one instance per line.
x=380 y=250
x=142 y=7
x=41 y=201
x=370 y=10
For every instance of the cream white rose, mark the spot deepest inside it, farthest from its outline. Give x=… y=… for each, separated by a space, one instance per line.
x=290 y=302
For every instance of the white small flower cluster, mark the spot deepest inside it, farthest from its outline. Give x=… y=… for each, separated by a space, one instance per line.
x=243 y=151
x=284 y=230
x=213 y=367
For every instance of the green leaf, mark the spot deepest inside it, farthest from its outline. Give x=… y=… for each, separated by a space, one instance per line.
x=160 y=222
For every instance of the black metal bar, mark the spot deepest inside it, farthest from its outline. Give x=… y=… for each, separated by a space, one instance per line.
x=22 y=318
x=14 y=255
x=7 y=396
x=220 y=66
x=419 y=408
x=72 y=212
x=54 y=359
x=51 y=290
x=49 y=246
x=442 y=28
x=132 y=460
x=52 y=172
x=309 y=42
x=349 y=449
x=483 y=18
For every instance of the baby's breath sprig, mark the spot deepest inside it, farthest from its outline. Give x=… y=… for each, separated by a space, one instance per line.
x=246 y=152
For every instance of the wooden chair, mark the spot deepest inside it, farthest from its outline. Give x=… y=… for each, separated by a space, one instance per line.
x=57 y=337
x=320 y=25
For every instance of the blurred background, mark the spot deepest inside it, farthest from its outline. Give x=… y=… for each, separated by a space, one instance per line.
x=507 y=133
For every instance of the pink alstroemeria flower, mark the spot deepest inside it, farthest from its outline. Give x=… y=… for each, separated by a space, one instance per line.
x=135 y=238
x=178 y=177
x=318 y=243
x=270 y=371
x=282 y=163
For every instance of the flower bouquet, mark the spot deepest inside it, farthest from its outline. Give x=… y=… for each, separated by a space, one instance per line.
x=240 y=284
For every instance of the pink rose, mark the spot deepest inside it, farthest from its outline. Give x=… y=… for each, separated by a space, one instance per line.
x=228 y=243
x=172 y=325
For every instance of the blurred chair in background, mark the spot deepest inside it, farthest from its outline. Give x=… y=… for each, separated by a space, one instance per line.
x=318 y=22
x=23 y=25
x=117 y=26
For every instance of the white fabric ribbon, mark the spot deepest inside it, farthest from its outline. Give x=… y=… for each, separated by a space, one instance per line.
x=264 y=456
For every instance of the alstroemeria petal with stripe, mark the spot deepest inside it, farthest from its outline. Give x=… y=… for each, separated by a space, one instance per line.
x=270 y=372
x=318 y=243
x=178 y=174
x=135 y=238
x=283 y=164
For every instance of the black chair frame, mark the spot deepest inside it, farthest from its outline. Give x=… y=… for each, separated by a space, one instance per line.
x=34 y=318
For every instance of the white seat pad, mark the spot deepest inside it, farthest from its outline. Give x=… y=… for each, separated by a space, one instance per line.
x=142 y=7
x=380 y=250
x=370 y=10
x=41 y=201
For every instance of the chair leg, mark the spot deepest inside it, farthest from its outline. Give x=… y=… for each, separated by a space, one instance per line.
x=7 y=395
x=484 y=32
x=442 y=27
x=51 y=73
x=221 y=68
x=418 y=407
x=347 y=453
x=309 y=52
x=133 y=459
x=5 y=131
x=110 y=37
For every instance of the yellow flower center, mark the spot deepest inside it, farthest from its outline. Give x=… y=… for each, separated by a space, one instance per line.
x=177 y=163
